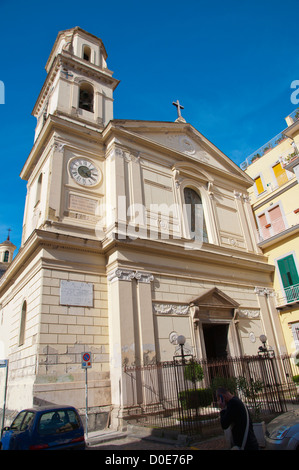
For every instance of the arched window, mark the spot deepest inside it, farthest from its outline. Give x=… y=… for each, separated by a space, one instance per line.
x=6 y=257
x=39 y=189
x=86 y=53
x=86 y=97
x=195 y=215
x=23 y=323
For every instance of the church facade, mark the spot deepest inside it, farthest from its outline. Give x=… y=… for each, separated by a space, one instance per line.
x=135 y=232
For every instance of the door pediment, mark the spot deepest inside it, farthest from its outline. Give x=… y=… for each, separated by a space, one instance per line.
x=213 y=303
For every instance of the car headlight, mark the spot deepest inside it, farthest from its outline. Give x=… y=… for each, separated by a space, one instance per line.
x=279 y=433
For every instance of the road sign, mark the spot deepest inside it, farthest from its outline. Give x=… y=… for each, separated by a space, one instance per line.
x=4 y=363
x=86 y=361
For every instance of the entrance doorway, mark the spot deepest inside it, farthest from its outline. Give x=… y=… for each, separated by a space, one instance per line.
x=215 y=336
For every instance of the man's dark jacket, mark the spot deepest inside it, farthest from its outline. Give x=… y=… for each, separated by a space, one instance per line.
x=235 y=415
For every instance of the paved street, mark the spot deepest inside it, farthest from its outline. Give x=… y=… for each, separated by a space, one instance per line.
x=125 y=442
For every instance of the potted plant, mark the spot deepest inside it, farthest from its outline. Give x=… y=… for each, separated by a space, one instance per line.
x=196 y=397
x=250 y=389
x=267 y=149
x=255 y=157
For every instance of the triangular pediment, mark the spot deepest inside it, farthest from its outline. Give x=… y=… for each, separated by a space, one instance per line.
x=186 y=140
x=214 y=298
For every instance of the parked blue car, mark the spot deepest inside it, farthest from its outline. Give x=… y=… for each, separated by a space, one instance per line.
x=47 y=427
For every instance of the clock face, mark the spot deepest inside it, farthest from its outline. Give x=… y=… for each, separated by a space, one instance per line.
x=84 y=172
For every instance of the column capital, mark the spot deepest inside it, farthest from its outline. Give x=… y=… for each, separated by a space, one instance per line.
x=146 y=278
x=120 y=274
x=264 y=291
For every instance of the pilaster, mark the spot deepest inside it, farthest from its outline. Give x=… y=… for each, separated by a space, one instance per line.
x=270 y=318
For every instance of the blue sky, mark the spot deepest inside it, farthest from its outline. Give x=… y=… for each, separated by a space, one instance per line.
x=230 y=64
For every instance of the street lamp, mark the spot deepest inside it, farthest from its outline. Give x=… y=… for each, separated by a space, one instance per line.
x=263 y=349
x=181 y=340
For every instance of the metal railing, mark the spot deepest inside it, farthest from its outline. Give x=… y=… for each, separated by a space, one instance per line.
x=260 y=152
x=287 y=295
x=173 y=395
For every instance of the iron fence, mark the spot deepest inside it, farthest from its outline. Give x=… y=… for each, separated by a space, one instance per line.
x=180 y=395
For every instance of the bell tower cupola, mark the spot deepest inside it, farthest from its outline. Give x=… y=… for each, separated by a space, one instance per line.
x=79 y=85
x=7 y=249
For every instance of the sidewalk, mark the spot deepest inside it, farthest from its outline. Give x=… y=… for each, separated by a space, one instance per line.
x=136 y=437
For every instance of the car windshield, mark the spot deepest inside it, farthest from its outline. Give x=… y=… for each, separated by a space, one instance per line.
x=58 y=421
x=22 y=421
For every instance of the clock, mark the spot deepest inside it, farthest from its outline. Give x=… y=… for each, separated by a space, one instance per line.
x=84 y=172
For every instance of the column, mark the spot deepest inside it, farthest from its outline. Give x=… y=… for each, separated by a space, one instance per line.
x=99 y=108
x=244 y=221
x=270 y=319
x=251 y=223
x=55 y=183
x=146 y=321
x=121 y=337
x=116 y=205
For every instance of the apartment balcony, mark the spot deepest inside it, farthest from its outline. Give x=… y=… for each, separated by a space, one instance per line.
x=271 y=229
x=271 y=144
x=263 y=150
x=287 y=297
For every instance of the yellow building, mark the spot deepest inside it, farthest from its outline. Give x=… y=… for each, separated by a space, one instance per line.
x=275 y=202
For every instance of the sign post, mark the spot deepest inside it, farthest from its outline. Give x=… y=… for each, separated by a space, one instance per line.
x=86 y=363
x=4 y=363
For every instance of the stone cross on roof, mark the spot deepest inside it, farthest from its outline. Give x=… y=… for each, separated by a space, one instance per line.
x=179 y=107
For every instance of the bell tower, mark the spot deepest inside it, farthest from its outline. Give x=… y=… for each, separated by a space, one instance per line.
x=79 y=84
x=7 y=249
x=66 y=167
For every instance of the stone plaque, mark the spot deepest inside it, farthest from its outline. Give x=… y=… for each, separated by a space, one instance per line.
x=82 y=204
x=74 y=293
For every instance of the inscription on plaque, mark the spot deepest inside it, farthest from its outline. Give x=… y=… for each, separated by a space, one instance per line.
x=82 y=204
x=78 y=294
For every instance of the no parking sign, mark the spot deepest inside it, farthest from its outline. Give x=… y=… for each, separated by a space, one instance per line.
x=86 y=362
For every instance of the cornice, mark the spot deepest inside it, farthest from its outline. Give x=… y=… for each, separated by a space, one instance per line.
x=66 y=59
x=52 y=124
x=40 y=239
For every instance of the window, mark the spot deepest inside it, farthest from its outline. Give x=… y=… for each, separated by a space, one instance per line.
x=271 y=223
x=6 y=257
x=280 y=174
x=276 y=219
x=289 y=277
x=86 y=53
x=23 y=323
x=195 y=215
x=259 y=185
x=264 y=231
x=39 y=189
x=23 y=421
x=58 y=422
x=17 y=423
x=295 y=331
x=86 y=97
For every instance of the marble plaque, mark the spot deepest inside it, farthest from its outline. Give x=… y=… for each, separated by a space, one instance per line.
x=82 y=204
x=74 y=293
